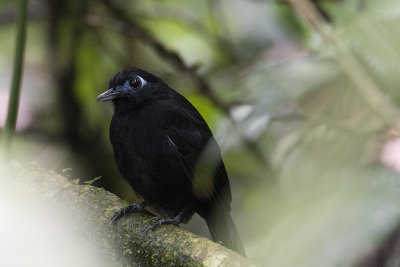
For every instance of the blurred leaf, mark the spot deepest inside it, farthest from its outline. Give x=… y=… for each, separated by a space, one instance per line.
x=273 y=87
x=194 y=49
x=210 y=113
x=370 y=30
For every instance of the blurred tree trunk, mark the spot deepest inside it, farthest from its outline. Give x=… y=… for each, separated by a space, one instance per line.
x=66 y=28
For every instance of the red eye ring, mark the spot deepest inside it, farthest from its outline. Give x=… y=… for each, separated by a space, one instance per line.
x=135 y=82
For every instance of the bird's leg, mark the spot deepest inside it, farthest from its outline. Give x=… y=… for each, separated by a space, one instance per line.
x=134 y=208
x=174 y=220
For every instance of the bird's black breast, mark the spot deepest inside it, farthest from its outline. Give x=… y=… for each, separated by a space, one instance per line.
x=137 y=142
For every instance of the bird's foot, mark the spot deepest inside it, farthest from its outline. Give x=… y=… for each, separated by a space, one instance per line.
x=160 y=221
x=134 y=208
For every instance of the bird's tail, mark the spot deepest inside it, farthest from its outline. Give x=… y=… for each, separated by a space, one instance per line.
x=223 y=230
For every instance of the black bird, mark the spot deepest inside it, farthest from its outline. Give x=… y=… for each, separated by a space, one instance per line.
x=167 y=153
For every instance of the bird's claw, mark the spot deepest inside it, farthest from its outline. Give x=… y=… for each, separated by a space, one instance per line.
x=155 y=219
x=151 y=228
x=138 y=207
x=157 y=222
x=160 y=221
x=118 y=215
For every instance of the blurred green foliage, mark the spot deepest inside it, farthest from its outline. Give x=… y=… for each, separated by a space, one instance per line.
x=302 y=142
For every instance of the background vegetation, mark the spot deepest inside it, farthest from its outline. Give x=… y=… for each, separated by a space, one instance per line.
x=302 y=97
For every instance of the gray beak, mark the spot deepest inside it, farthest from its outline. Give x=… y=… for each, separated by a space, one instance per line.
x=108 y=95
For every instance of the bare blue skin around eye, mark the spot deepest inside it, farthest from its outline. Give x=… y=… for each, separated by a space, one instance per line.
x=126 y=88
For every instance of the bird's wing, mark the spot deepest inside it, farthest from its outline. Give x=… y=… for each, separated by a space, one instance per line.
x=191 y=141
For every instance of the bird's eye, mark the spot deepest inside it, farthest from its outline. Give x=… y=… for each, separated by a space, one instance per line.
x=135 y=82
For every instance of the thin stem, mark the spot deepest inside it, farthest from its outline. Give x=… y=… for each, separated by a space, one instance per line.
x=13 y=103
x=362 y=81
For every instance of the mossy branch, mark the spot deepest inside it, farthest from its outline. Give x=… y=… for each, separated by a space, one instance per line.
x=91 y=209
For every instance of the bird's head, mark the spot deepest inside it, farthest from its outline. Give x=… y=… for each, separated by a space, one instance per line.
x=131 y=86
